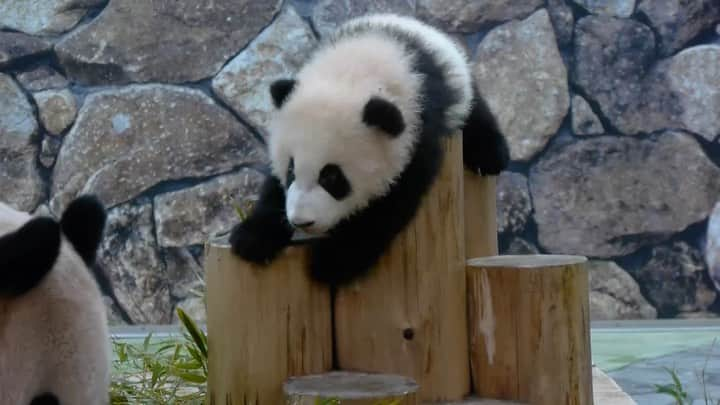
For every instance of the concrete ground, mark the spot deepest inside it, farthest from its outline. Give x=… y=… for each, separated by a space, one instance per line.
x=633 y=353
x=636 y=358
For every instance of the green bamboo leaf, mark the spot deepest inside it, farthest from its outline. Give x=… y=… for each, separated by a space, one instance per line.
x=194 y=378
x=197 y=335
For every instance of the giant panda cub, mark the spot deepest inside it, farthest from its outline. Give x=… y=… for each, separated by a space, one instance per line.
x=54 y=340
x=356 y=141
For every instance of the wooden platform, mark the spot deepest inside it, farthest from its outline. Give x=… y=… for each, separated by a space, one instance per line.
x=605 y=392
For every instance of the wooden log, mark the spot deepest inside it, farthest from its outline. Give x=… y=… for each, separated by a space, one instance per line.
x=529 y=328
x=480 y=215
x=264 y=325
x=348 y=388
x=409 y=316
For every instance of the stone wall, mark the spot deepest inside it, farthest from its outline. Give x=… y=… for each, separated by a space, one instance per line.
x=612 y=109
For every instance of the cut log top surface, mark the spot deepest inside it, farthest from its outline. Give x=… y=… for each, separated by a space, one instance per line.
x=526 y=261
x=222 y=241
x=350 y=385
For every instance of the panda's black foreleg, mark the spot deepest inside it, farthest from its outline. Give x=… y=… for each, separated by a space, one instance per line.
x=485 y=149
x=265 y=232
x=338 y=261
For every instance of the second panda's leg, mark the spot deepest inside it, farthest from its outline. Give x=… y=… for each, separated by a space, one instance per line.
x=266 y=231
x=485 y=149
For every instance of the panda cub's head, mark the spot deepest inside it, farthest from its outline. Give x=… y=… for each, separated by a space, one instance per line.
x=340 y=137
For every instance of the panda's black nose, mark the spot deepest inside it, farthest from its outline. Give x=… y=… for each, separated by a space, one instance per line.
x=303 y=224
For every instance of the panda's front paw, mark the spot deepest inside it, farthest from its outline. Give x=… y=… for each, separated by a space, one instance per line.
x=497 y=156
x=254 y=245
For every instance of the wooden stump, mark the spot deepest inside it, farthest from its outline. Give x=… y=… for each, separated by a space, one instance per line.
x=480 y=215
x=264 y=325
x=529 y=328
x=347 y=388
x=408 y=317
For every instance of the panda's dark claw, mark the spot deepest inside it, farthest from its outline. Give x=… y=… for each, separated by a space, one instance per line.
x=256 y=247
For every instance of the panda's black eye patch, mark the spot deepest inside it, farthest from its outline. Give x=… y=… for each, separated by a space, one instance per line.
x=333 y=180
x=290 y=176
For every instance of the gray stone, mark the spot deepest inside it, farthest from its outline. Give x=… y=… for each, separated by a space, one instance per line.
x=328 y=14
x=194 y=307
x=57 y=108
x=563 y=20
x=679 y=21
x=197 y=39
x=609 y=196
x=612 y=61
x=276 y=53
x=513 y=202
x=615 y=8
x=129 y=254
x=674 y=280
x=49 y=150
x=697 y=315
x=191 y=215
x=615 y=66
x=615 y=295
x=471 y=16
x=42 y=78
x=518 y=68
x=584 y=120
x=17 y=121
x=127 y=140
x=20 y=181
x=45 y=17
x=694 y=76
x=185 y=275
x=15 y=46
x=187 y=285
x=519 y=246
x=712 y=246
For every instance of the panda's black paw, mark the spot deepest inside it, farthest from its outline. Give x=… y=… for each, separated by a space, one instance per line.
x=333 y=267
x=499 y=157
x=256 y=245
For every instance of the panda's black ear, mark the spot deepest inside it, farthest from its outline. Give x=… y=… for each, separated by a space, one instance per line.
x=83 y=223
x=280 y=89
x=385 y=115
x=27 y=255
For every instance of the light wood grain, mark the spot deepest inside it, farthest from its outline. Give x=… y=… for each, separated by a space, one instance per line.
x=351 y=389
x=409 y=316
x=264 y=325
x=529 y=329
x=480 y=215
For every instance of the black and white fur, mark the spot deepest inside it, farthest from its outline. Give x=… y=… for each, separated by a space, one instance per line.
x=355 y=143
x=54 y=339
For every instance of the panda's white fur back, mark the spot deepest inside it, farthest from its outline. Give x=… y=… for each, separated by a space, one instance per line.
x=449 y=53
x=54 y=338
x=321 y=122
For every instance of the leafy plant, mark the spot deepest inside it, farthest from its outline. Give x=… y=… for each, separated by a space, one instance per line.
x=166 y=372
x=242 y=209
x=677 y=390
